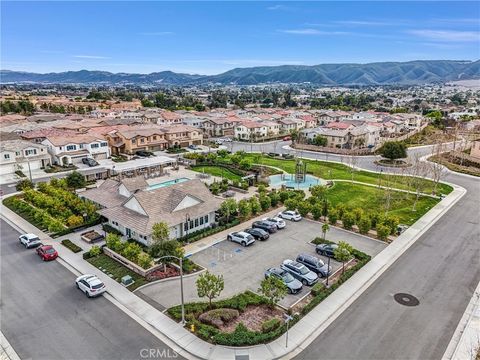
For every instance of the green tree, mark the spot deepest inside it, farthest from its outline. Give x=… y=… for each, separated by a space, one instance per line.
x=274 y=197
x=294 y=135
x=245 y=164
x=274 y=289
x=358 y=213
x=316 y=211
x=229 y=208
x=343 y=253
x=303 y=207
x=115 y=243
x=348 y=220
x=75 y=180
x=160 y=232
x=320 y=140
x=333 y=216
x=325 y=229
x=364 y=225
x=318 y=191
x=244 y=208
x=210 y=286
x=325 y=208
x=144 y=260
x=394 y=150
x=131 y=251
x=265 y=202
x=291 y=204
x=255 y=205
x=24 y=184
x=382 y=231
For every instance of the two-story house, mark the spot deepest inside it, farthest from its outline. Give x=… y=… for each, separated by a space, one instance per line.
x=219 y=127
x=66 y=150
x=22 y=155
x=128 y=141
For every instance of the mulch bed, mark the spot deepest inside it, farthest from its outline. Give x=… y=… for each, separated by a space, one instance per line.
x=253 y=317
x=160 y=274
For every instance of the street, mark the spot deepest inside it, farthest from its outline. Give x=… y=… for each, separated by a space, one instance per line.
x=44 y=316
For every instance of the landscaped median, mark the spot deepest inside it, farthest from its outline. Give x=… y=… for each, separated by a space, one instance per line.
x=248 y=318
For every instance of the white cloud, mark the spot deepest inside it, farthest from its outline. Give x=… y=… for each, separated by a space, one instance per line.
x=156 y=33
x=446 y=35
x=93 y=57
x=312 y=32
x=277 y=7
x=361 y=23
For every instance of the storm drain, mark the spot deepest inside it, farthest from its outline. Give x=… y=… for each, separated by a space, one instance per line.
x=406 y=299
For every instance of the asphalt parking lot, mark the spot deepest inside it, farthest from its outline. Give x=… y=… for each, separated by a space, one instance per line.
x=244 y=268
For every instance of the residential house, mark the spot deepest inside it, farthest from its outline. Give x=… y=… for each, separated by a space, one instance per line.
x=219 y=127
x=73 y=149
x=182 y=135
x=250 y=130
x=22 y=155
x=129 y=141
x=132 y=207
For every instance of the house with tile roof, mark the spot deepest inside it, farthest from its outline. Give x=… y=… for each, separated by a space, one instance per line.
x=22 y=155
x=72 y=149
x=132 y=206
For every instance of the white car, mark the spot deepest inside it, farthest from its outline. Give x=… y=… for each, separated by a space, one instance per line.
x=290 y=215
x=280 y=223
x=91 y=285
x=29 y=240
x=241 y=237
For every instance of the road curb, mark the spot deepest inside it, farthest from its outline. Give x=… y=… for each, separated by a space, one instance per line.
x=7 y=351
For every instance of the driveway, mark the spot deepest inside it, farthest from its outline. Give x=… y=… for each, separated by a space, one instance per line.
x=243 y=268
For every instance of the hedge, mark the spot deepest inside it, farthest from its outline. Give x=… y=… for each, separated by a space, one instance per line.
x=200 y=234
x=70 y=245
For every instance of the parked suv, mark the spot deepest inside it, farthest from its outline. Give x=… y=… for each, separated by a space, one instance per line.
x=143 y=153
x=293 y=285
x=300 y=272
x=241 y=237
x=89 y=161
x=90 y=285
x=265 y=225
x=326 y=249
x=277 y=221
x=315 y=264
x=258 y=233
x=29 y=240
x=290 y=215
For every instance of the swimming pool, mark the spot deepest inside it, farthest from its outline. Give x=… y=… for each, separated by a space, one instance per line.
x=289 y=181
x=167 y=183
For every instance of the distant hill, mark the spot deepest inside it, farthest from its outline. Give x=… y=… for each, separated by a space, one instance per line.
x=382 y=73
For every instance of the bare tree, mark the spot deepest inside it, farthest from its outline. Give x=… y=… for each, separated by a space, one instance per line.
x=352 y=163
x=387 y=194
x=419 y=172
x=437 y=171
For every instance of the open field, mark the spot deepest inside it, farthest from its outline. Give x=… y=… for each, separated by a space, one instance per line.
x=217 y=171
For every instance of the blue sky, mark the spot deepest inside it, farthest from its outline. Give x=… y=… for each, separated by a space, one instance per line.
x=212 y=37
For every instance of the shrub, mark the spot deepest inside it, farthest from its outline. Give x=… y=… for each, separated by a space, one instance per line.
x=317 y=211
x=115 y=243
x=303 y=208
x=271 y=325
x=317 y=288
x=218 y=317
x=291 y=204
x=255 y=205
x=70 y=245
x=144 y=260
x=333 y=217
x=95 y=250
x=110 y=229
x=24 y=185
x=131 y=251
x=244 y=208
x=75 y=180
x=382 y=231
x=341 y=209
x=364 y=225
x=358 y=214
x=392 y=222
x=265 y=202
x=74 y=220
x=348 y=220
x=274 y=197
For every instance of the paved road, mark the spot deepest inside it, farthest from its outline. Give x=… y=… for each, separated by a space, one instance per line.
x=441 y=269
x=44 y=316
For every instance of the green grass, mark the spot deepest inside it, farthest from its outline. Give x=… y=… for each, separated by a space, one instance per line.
x=217 y=171
x=117 y=270
x=330 y=171
x=372 y=199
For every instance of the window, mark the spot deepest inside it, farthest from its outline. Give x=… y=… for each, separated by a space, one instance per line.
x=196 y=222
x=81 y=146
x=71 y=147
x=142 y=140
x=154 y=138
x=6 y=156
x=206 y=219
x=191 y=224
x=29 y=152
x=185 y=226
x=103 y=144
x=17 y=153
x=94 y=145
x=201 y=221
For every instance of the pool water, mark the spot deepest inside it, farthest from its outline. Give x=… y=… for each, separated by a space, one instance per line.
x=167 y=183
x=289 y=181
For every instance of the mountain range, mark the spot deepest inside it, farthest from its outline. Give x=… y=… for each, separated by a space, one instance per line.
x=381 y=73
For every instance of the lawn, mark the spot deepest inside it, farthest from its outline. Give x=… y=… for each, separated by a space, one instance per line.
x=217 y=171
x=113 y=267
x=372 y=199
x=330 y=171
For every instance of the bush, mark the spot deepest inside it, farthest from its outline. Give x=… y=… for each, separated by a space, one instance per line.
x=303 y=208
x=291 y=204
x=392 y=222
x=382 y=231
x=317 y=288
x=265 y=202
x=271 y=325
x=364 y=225
x=75 y=180
x=218 y=317
x=317 y=211
x=144 y=260
x=24 y=185
x=74 y=220
x=274 y=197
x=131 y=251
x=70 y=245
x=95 y=250
x=333 y=217
x=110 y=229
x=255 y=205
x=348 y=220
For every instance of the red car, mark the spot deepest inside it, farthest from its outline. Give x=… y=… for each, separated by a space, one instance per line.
x=287 y=138
x=47 y=252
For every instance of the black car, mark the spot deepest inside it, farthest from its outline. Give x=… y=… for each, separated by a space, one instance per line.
x=258 y=233
x=143 y=153
x=89 y=161
x=315 y=264
x=265 y=225
x=326 y=249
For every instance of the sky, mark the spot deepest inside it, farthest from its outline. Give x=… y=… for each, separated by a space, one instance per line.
x=213 y=37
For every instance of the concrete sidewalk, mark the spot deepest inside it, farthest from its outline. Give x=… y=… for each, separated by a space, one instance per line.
x=300 y=335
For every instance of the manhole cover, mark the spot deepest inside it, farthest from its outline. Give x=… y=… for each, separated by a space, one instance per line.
x=406 y=299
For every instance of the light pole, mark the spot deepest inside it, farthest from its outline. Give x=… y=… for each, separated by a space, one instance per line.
x=181 y=283
x=187 y=220
x=328 y=270
x=287 y=320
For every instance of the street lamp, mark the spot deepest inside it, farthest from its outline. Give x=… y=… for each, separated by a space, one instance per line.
x=187 y=220
x=287 y=320
x=328 y=270
x=181 y=283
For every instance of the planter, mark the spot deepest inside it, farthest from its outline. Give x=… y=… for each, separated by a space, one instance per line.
x=129 y=264
x=91 y=237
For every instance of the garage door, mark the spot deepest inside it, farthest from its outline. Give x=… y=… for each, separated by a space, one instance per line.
x=78 y=159
x=100 y=156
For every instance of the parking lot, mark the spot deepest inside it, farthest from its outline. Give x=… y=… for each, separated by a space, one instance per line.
x=243 y=268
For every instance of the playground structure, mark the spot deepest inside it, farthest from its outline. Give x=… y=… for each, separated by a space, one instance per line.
x=300 y=171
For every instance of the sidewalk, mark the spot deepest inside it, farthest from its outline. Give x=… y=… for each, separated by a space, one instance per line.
x=204 y=243
x=300 y=335
x=7 y=352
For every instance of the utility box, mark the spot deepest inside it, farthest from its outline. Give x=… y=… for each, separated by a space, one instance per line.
x=127 y=280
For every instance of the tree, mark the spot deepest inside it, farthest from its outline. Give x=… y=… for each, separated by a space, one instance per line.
x=74 y=220
x=255 y=205
x=274 y=197
x=274 y=289
x=382 y=231
x=364 y=225
x=294 y=135
x=228 y=208
x=245 y=164
x=316 y=211
x=210 y=286
x=291 y=204
x=318 y=191
x=265 y=202
x=131 y=251
x=437 y=170
x=303 y=208
x=325 y=229
x=244 y=208
x=394 y=150
x=144 y=260
x=343 y=253
x=333 y=216
x=325 y=208
x=348 y=220
x=320 y=140
x=75 y=180
x=160 y=232
x=24 y=184
x=114 y=242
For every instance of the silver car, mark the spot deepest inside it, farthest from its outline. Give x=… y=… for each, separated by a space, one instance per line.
x=293 y=285
x=300 y=272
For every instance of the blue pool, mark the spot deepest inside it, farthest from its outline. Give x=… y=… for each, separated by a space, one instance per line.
x=289 y=181
x=167 y=183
